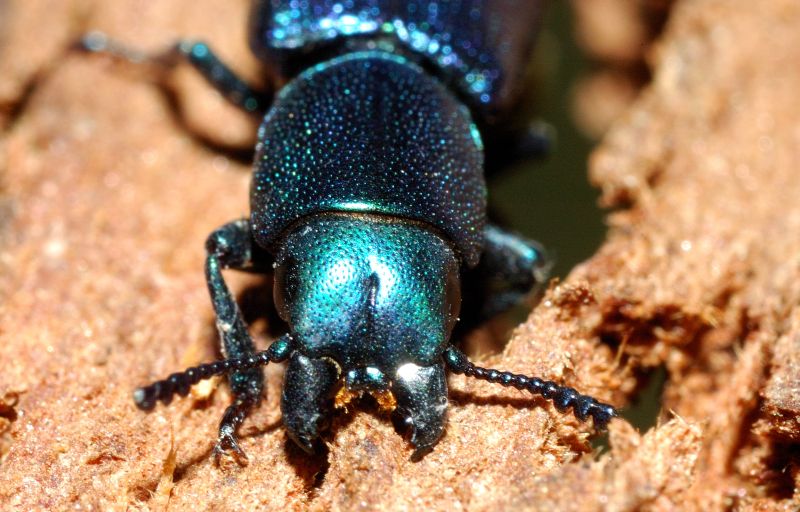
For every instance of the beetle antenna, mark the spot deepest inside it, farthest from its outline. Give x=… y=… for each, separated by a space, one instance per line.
x=563 y=397
x=180 y=382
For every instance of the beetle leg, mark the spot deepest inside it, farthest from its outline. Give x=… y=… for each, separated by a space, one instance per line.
x=421 y=394
x=232 y=246
x=222 y=78
x=535 y=141
x=200 y=56
x=309 y=388
x=506 y=149
x=511 y=267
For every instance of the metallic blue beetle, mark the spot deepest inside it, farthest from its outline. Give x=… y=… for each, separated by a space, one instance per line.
x=369 y=202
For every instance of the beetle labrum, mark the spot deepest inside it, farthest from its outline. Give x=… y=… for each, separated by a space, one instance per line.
x=369 y=202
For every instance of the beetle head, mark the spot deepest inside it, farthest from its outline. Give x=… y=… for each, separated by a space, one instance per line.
x=374 y=294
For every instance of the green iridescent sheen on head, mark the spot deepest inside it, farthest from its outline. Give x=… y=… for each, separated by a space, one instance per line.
x=368 y=291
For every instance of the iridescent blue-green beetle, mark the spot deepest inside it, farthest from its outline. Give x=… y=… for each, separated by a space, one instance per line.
x=369 y=202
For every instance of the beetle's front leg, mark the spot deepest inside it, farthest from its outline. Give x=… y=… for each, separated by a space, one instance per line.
x=232 y=246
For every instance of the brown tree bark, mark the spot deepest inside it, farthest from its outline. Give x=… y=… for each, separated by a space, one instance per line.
x=107 y=199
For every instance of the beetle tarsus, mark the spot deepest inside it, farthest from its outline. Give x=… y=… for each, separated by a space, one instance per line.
x=227 y=444
x=98 y=42
x=227 y=441
x=563 y=397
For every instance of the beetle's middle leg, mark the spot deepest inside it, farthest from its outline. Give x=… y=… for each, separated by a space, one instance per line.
x=200 y=56
x=511 y=267
x=505 y=149
x=232 y=246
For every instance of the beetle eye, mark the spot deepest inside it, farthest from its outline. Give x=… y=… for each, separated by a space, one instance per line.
x=452 y=299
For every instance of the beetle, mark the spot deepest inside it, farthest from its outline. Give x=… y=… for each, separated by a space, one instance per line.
x=368 y=201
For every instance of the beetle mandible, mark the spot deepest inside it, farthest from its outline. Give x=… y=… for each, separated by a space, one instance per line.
x=368 y=199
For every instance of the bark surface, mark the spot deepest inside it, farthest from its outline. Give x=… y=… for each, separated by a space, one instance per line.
x=107 y=198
